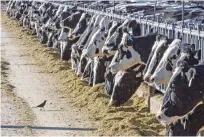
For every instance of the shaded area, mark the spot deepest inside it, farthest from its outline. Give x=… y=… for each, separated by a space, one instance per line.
x=48 y=128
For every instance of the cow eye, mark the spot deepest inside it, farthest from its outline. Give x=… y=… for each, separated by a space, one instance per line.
x=174 y=57
x=173 y=85
x=178 y=52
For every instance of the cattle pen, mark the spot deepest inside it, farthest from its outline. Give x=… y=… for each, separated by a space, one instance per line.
x=117 y=68
x=190 y=33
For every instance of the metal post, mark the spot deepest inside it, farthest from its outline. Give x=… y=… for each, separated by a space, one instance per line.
x=182 y=13
x=155 y=4
x=114 y=6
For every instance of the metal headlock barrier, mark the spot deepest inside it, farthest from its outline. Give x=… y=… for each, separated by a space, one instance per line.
x=189 y=35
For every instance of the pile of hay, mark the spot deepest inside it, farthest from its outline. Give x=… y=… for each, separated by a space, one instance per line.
x=133 y=118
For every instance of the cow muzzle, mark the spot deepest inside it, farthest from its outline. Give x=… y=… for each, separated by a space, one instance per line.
x=147 y=78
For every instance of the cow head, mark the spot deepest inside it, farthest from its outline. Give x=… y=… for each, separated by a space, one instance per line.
x=61 y=17
x=165 y=68
x=71 y=21
x=111 y=44
x=125 y=56
x=132 y=50
x=98 y=39
x=179 y=98
x=82 y=24
x=111 y=31
x=158 y=49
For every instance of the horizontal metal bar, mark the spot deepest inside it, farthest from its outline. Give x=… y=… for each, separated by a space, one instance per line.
x=148 y=22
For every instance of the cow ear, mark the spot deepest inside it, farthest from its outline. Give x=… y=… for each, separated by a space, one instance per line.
x=191 y=75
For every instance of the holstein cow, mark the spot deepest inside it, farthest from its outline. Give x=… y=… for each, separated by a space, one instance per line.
x=111 y=44
x=67 y=25
x=110 y=47
x=132 y=50
x=190 y=125
x=69 y=41
x=185 y=90
x=54 y=35
x=125 y=84
x=83 y=60
x=78 y=47
x=157 y=52
x=99 y=65
x=123 y=90
x=94 y=49
x=164 y=70
x=109 y=83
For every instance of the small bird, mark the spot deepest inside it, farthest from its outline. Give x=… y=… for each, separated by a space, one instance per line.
x=41 y=105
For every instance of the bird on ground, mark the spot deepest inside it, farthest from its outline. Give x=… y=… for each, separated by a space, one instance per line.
x=41 y=105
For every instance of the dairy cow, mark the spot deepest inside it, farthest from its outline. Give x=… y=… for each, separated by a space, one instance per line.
x=157 y=52
x=164 y=70
x=67 y=42
x=185 y=90
x=132 y=50
x=83 y=60
x=126 y=84
x=78 y=47
x=97 y=41
x=111 y=44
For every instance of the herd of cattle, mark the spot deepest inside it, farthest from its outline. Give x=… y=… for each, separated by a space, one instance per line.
x=105 y=50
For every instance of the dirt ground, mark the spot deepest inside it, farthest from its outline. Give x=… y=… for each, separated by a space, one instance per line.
x=26 y=85
x=32 y=73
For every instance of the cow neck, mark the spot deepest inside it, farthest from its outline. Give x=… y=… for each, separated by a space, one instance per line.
x=200 y=76
x=194 y=121
x=95 y=28
x=150 y=57
x=143 y=45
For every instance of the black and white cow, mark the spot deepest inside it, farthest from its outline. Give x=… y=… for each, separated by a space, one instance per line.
x=157 y=52
x=132 y=50
x=164 y=70
x=126 y=84
x=67 y=25
x=83 y=60
x=78 y=47
x=111 y=45
x=185 y=90
x=57 y=33
x=67 y=42
x=97 y=41
x=190 y=125
x=130 y=28
x=109 y=83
